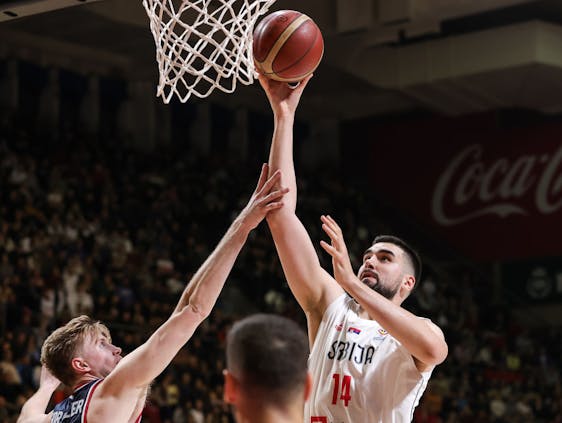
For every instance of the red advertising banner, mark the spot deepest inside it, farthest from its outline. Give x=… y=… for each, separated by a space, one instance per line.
x=492 y=193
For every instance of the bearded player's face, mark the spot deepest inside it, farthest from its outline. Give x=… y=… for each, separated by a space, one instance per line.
x=383 y=268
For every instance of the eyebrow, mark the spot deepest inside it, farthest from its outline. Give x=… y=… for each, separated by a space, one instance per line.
x=382 y=250
x=102 y=337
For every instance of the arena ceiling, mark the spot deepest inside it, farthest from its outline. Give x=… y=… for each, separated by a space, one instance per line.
x=382 y=56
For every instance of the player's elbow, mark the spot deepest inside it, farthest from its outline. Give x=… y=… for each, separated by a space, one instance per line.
x=436 y=353
x=200 y=310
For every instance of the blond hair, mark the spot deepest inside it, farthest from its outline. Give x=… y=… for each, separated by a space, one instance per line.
x=65 y=343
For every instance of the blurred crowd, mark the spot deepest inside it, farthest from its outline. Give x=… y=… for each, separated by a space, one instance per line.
x=96 y=229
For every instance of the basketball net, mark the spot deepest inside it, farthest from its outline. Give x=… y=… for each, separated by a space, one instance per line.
x=203 y=44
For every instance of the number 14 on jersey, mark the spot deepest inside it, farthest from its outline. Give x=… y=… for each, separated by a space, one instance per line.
x=342 y=389
x=342 y=392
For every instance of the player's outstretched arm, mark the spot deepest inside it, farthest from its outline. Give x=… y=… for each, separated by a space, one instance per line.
x=313 y=287
x=33 y=411
x=422 y=338
x=142 y=365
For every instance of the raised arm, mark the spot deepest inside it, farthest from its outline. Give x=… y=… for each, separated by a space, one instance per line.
x=422 y=338
x=311 y=285
x=142 y=365
x=33 y=411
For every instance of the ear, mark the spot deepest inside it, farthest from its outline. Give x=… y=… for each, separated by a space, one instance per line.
x=307 y=386
x=409 y=282
x=79 y=365
x=230 y=391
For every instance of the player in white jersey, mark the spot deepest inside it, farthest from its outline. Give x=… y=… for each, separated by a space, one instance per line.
x=370 y=358
x=361 y=373
x=111 y=388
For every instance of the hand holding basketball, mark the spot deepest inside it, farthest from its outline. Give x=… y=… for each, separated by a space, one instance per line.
x=283 y=97
x=287 y=46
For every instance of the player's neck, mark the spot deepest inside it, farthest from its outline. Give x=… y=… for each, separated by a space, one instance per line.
x=273 y=415
x=87 y=378
x=363 y=314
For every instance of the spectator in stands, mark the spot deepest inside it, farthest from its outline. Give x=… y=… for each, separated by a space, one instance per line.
x=107 y=190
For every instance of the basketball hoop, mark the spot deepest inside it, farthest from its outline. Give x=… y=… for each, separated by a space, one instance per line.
x=203 y=44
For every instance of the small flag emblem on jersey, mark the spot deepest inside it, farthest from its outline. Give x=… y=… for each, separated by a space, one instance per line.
x=354 y=330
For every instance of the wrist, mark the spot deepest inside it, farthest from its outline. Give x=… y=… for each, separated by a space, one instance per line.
x=349 y=282
x=240 y=228
x=50 y=386
x=284 y=114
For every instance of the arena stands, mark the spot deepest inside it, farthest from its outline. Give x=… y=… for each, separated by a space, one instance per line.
x=95 y=228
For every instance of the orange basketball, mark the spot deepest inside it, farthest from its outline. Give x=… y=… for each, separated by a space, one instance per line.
x=287 y=46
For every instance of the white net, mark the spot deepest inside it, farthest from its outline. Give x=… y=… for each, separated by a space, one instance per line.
x=203 y=44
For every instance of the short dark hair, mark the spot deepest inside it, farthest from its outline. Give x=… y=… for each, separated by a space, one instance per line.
x=412 y=254
x=268 y=353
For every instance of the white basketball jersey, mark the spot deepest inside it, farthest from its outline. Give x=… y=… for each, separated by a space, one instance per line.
x=361 y=374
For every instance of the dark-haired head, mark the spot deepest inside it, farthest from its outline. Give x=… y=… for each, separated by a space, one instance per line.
x=413 y=257
x=267 y=355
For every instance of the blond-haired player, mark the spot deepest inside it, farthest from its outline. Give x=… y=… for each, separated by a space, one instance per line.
x=111 y=388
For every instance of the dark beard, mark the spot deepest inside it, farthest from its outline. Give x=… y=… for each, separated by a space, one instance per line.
x=386 y=292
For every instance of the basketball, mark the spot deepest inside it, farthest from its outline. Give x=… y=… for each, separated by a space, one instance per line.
x=287 y=46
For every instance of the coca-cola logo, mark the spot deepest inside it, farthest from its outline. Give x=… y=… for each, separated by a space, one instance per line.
x=502 y=187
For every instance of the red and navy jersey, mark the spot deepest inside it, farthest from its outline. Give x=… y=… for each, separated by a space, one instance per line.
x=73 y=408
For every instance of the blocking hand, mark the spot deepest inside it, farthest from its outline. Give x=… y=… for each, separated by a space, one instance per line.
x=264 y=199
